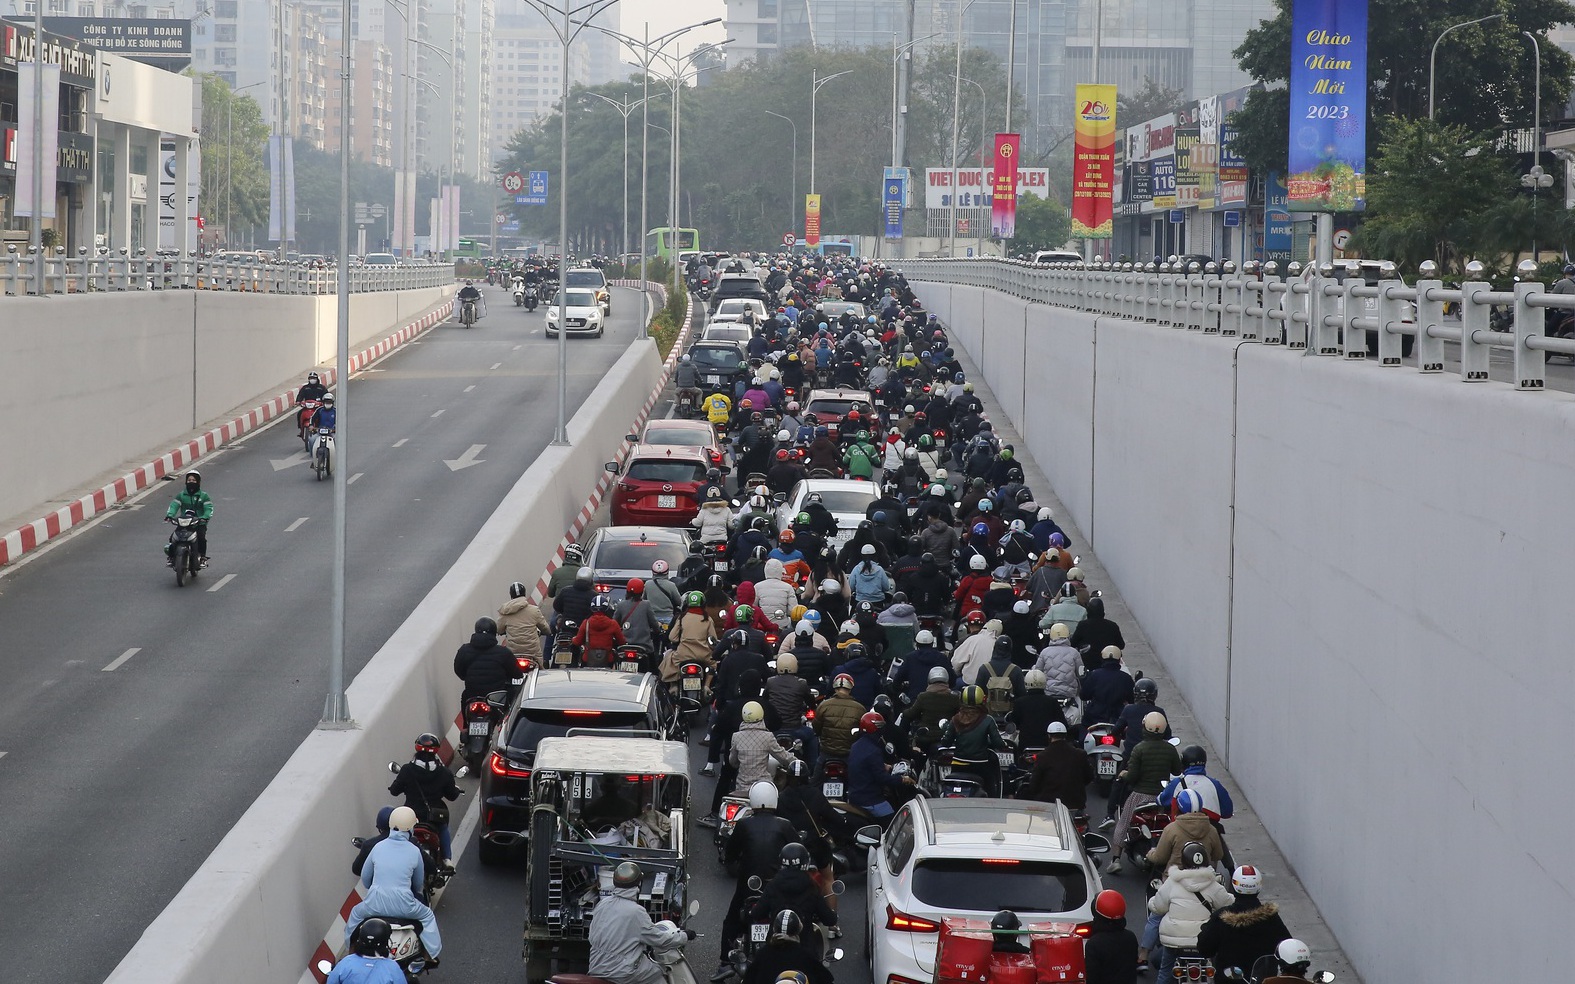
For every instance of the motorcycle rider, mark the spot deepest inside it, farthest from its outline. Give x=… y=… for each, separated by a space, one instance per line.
x=756 y=848
x=1289 y=964
x=1215 y=798
x=521 y=624
x=599 y=634
x=564 y=574
x=794 y=889
x=1148 y=767
x=1190 y=826
x=1062 y=771
x=662 y=594
x=484 y=665
x=469 y=292
x=194 y=498
x=1106 y=690
x=1190 y=893
x=837 y=717
x=787 y=692
x=573 y=602
x=687 y=378
x=974 y=736
x=622 y=933
x=366 y=844
x=872 y=786
x=937 y=703
x=1095 y=632
x=1060 y=663
x=1245 y=931
x=327 y=416
x=783 y=960
x=369 y=962
x=395 y=877
x=425 y=783
x=754 y=748
x=640 y=625
x=1110 y=953
x=312 y=390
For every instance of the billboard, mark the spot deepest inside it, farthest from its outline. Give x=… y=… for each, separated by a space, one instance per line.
x=1327 y=156
x=1093 y=161
x=1003 y=187
x=973 y=186
x=165 y=43
x=811 y=220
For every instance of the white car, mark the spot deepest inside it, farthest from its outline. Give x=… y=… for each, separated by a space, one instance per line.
x=846 y=500
x=727 y=331
x=1045 y=257
x=733 y=308
x=971 y=858
x=579 y=312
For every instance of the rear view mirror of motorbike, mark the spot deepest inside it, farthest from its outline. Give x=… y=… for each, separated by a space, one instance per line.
x=324 y=967
x=867 y=836
x=394 y=768
x=837 y=953
x=838 y=887
x=1324 y=977
x=462 y=772
x=754 y=883
x=694 y=907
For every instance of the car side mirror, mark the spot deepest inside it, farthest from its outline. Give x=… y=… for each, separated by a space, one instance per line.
x=612 y=468
x=867 y=836
x=632 y=438
x=1096 y=843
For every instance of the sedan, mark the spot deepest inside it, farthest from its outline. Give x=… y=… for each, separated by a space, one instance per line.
x=733 y=309
x=847 y=501
x=578 y=311
x=659 y=486
x=617 y=553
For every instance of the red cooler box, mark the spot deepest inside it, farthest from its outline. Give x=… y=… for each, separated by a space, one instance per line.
x=963 y=955
x=1058 y=953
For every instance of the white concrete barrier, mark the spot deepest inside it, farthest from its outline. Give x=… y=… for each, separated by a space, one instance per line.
x=1359 y=580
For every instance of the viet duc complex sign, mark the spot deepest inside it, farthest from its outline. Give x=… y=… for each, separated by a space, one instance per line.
x=1093 y=161
x=973 y=186
x=1327 y=156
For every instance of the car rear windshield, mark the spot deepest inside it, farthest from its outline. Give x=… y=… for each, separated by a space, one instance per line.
x=686 y=437
x=584 y=278
x=1000 y=883
x=831 y=407
x=661 y=470
x=740 y=286
x=717 y=356
x=846 y=500
x=533 y=725
x=629 y=555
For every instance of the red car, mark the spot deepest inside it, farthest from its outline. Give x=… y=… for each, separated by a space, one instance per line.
x=831 y=406
x=658 y=485
x=683 y=433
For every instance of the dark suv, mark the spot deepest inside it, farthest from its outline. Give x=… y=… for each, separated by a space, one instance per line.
x=550 y=703
x=738 y=285
x=718 y=364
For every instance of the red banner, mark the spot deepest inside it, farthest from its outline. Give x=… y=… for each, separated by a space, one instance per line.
x=1003 y=189
x=811 y=220
x=1093 y=162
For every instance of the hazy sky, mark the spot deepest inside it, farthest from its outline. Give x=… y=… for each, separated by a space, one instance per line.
x=667 y=15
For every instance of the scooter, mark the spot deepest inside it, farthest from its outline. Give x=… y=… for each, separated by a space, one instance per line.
x=467 y=313
x=182 y=548
x=303 y=421
x=482 y=716
x=519 y=293
x=1104 y=753
x=404 y=948
x=323 y=453
x=688 y=403
x=532 y=298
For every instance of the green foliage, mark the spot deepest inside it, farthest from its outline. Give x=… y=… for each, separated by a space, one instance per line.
x=669 y=321
x=1148 y=101
x=1042 y=223
x=233 y=140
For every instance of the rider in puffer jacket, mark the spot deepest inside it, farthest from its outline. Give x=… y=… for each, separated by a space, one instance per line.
x=1186 y=900
x=1060 y=663
x=714 y=521
x=483 y=664
x=774 y=594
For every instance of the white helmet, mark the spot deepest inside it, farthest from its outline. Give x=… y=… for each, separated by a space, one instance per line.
x=1246 y=881
x=976 y=562
x=924 y=638
x=829 y=586
x=784 y=436
x=1293 y=953
x=763 y=796
x=753 y=713
x=1034 y=679
x=1110 y=652
x=1059 y=631
x=403 y=818
x=1075 y=574
x=1045 y=514
x=939 y=674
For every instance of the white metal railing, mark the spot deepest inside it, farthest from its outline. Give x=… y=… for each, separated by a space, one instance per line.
x=120 y=270
x=1319 y=310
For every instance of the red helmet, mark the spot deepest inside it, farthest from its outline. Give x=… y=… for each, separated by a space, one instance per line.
x=1110 y=904
x=871 y=722
x=782 y=454
x=853 y=415
x=745 y=404
x=636 y=586
x=975 y=616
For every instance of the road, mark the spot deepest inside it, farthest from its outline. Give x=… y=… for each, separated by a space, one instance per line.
x=139 y=720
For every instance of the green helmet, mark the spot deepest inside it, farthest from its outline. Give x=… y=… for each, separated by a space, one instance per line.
x=694 y=600
x=862 y=437
x=802 y=519
x=1006 y=454
x=926 y=441
x=744 y=614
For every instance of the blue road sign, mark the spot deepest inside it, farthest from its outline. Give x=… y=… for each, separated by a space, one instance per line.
x=536 y=190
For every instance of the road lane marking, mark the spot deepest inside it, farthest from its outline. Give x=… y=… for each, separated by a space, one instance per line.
x=439 y=413
x=118 y=660
x=473 y=385
x=352 y=478
x=296 y=525
x=401 y=441
x=516 y=348
x=497 y=365
x=221 y=582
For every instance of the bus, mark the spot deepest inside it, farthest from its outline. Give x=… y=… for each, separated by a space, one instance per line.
x=469 y=249
x=659 y=242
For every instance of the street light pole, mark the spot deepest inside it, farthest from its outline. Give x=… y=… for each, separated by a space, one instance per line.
x=984 y=116
x=899 y=53
x=793 y=187
x=816 y=80
x=624 y=108
x=1432 y=57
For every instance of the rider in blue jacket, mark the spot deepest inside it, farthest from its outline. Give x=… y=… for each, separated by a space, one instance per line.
x=871 y=784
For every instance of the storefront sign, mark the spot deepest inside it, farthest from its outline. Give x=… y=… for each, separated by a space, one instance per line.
x=973 y=186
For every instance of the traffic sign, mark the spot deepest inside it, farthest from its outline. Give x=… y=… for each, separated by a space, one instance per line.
x=502 y=218
x=513 y=182
x=789 y=239
x=537 y=192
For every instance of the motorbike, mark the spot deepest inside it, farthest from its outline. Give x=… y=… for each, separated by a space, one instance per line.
x=1104 y=753
x=303 y=421
x=482 y=716
x=758 y=934
x=734 y=809
x=631 y=659
x=183 y=546
x=564 y=652
x=323 y=453
x=532 y=298
x=703 y=289
x=519 y=293
x=688 y=403
x=404 y=948
x=1265 y=968
x=467 y=313
x=1148 y=822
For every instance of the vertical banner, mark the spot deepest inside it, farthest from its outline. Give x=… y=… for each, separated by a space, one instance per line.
x=892 y=194
x=281 y=189
x=811 y=220
x=434 y=206
x=167 y=194
x=1093 y=160
x=453 y=216
x=397 y=242
x=1003 y=188
x=1327 y=156
x=27 y=78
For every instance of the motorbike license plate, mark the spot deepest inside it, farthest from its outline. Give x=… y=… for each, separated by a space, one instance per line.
x=1007 y=759
x=758 y=932
x=627 y=666
x=667 y=502
x=476 y=728
x=831 y=790
x=691 y=685
x=720 y=565
x=1106 y=767
x=562 y=658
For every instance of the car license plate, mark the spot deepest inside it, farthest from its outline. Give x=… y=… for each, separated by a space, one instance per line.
x=713 y=380
x=1007 y=759
x=627 y=666
x=831 y=790
x=667 y=502
x=1106 y=767
x=758 y=931
x=477 y=728
x=691 y=685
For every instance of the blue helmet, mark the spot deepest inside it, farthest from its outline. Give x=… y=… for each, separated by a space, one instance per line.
x=1188 y=801
x=957 y=377
x=980 y=529
x=822 y=431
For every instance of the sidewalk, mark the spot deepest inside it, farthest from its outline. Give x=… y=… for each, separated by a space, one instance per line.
x=1249 y=842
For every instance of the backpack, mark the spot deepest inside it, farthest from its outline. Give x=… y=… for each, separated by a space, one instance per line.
x=998 y=690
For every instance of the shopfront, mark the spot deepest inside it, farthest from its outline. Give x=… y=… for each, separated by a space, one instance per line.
x=71 y=183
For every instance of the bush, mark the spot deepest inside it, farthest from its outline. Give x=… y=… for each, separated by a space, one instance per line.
x=668 y=321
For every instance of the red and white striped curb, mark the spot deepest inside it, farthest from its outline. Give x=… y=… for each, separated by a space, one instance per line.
x=40 y=531
x=333 y=942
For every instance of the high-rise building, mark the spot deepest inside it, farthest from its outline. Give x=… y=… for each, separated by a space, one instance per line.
x=527 y=66
x=371 y=104
x=476 y=116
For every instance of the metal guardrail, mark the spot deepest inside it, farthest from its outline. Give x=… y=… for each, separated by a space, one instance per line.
x=1308 y=308
x=60 y=273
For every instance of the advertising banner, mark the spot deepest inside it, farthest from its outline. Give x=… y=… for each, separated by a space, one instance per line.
x=281 y=189
x=1278 y=234
x=811 y=220
x=167 y=199
x=892 y=192
x=27 y=78
x=1003 y=187
x=1327 y=156
x=157 y=41
x=905 y=175
x=1093 y=161
x=1188 y=178
x=973 y=186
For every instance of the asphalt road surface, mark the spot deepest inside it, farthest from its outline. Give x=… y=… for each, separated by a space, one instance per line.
x=139 y=720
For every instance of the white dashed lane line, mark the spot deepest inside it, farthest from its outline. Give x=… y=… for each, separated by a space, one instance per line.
x=115 y=664
x=400 y=442
x=221 y=582
x=296 y=525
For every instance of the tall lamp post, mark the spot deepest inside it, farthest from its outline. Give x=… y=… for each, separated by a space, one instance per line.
x=1432 y=57
x=816 y=80
x=951 y=234
x=1537 y=179
x=898 y=53
x=793 y=187
x=984 y=117
x=675 y=83
x=229 y=148
x=624 y=108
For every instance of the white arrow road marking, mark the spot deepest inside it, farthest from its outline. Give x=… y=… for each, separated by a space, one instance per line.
x=115 y=664
x=221 y=582
x=296 y=525
x=280 y=464
x=439 y=413
x=400 y=442
x=465 y=460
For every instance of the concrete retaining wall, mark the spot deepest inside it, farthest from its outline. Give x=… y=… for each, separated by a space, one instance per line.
x=257 y=906
x=1359 y=579
x=116 y=375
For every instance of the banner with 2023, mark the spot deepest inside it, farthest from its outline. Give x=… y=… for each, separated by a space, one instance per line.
x=1327 y=156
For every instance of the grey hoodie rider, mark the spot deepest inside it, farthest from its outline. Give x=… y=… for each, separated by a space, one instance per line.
x=620 y=934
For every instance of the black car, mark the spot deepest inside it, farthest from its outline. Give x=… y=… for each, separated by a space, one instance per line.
x=738 y=285
x=550 y=703
x=718 y=363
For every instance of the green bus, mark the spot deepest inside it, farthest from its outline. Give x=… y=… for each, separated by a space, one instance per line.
x=469 y=249
x=659 y=242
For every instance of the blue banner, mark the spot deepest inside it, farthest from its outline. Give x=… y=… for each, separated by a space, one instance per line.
x=1327 y=156
x=891 y=200
x=1279 y=235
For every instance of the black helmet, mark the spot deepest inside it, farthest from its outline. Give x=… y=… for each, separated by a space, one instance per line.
x=627 y=875
x=1194 y=856
x=427 y=743
x=796 y=855
x=798 y=771
x=1146 y=690
x=517 y=590
x=786 y=925
x=1193 y=755
x=487 y=625
x=1005 y=919
x=1024 y=494
x=371 y=938
x=1096 y=607
x=882 y=705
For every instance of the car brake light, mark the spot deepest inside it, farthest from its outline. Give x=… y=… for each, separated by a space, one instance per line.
x=1107 y=739
x=1081 y=929
x=585 y=714
x=500 y=767
x=999 y=860
x=904 y=923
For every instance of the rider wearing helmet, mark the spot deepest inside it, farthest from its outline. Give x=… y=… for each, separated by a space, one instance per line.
x=192 y=497
x=1190 y=893
x=395 y=877
x=1289 y=963
x=837 y=718
x=1004 y=924
x=794 y=889
x=425 y=783
x=369 y=962
x=1129 y=724
x=1149 y=766
x=622 y=932
x=521 y=624
x=485 y=665
x=573 y=603
x=663 y=595
x=872 y=786
x=784 y=959
x=755 y=848
x=1110 y=952
x=599 y=634
x=1191 y=825
x=1215 y=798
x=312 y=390
x=754 y=747
x=1245 y=931
x=976 y=738
x=564 y=574
x=639 y=622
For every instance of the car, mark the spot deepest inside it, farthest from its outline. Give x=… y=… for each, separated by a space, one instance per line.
x=617 y=553
x=1371 y=272
x=580 y=312
x=548 y=705
x=1049 y=256
x=682 y=433
x=737 y=285
x=718 y=363
x=846 y=499
x=733 y=309
x=726 y=331
x=831 y=405
x=830 y=310
x=969 y=858
x=380 y=259
x=658 y=485
x=595 y=280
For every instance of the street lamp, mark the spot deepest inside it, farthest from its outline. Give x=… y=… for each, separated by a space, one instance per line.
x=1432 y=57
x=229 y=147
x=984 y=116
x=624 y=108
x=675 y=84
x=453 y=141
x=816 y=80
x=898 y=53
x=951 y=234
x=793 y=192
x=1537 y=179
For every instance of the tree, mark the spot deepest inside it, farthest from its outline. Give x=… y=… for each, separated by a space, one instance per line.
x=1150 y=100
x=234 y=174
x=1042 y=223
